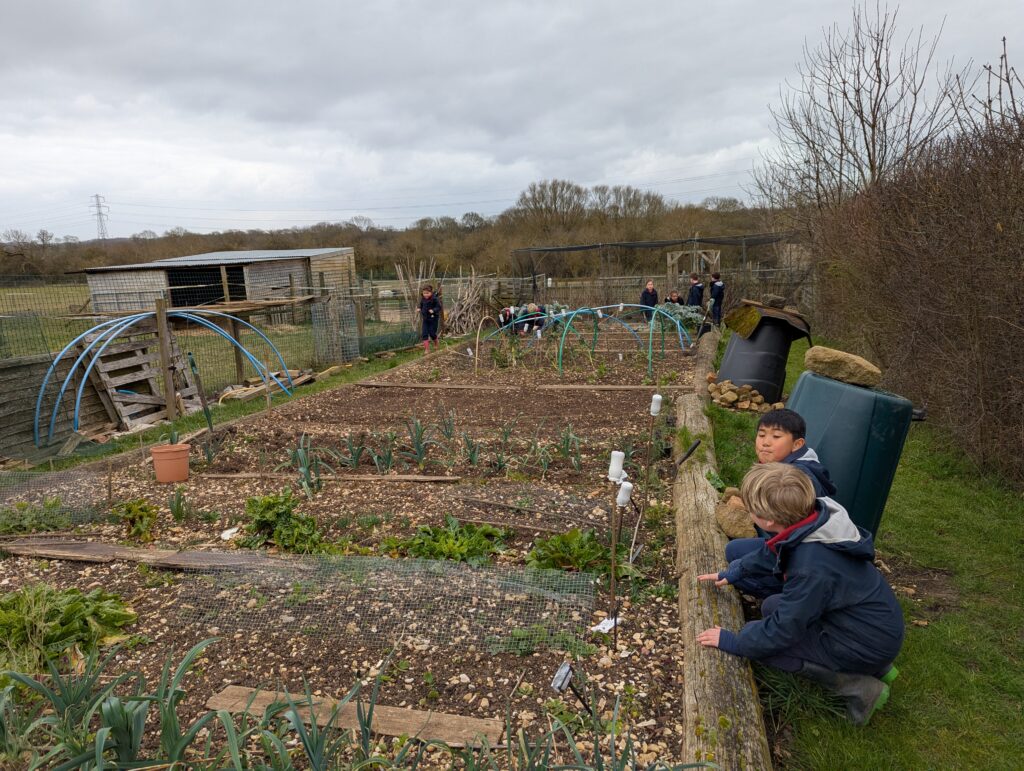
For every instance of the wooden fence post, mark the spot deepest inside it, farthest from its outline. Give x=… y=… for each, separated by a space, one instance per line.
x=164 y=338
x=235 y=328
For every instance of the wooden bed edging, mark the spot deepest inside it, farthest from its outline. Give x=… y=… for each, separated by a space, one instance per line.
x=721 y=712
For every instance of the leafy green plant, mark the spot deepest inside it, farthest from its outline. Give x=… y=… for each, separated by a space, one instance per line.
x=568 y=442
x=471 y=449
x=384 y=458
x=307 y=462
x=462 y=543
x=524 y=641
x=355 y=448
x=272 y=519
x=138 y=516
x=419 y=444
x=715 y=480
x=500 y=462
x=170 y=437
x=25 y=517
x=181 y=509
x=39 y=621
x=579 y=550
x=446 y=424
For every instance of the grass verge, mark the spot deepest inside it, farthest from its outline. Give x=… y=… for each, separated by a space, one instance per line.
x=953 y=532
x=233 y=410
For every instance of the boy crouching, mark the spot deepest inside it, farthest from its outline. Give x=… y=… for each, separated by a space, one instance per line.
x=836 y=620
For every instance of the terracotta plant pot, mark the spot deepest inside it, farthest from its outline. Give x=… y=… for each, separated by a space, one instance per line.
x=170 y=462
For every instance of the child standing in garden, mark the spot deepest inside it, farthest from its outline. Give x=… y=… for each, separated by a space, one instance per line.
x=430 y=311
x=717 y=298
x=835 y=620
x=696 y=296
x=649 y=297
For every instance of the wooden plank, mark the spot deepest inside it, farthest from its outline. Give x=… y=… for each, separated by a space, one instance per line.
x=134 y=345
x=534 y=387
x=454 y=730
x=721 y=712
x=106 y=365
x=341 y=477
x=146 y=373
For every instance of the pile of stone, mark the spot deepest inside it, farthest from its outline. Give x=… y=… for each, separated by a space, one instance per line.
x=738 y=397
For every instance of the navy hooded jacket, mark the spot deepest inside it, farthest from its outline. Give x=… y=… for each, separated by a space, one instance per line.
x=807 y=461
x=718 y=292
x=831 y=589
x=649 y=297
x=696 y=296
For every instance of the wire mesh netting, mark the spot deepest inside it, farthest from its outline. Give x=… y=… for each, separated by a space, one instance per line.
x=52 y=501
x=376 y=601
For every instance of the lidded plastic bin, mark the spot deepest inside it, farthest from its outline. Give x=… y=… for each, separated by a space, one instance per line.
x=858 y=434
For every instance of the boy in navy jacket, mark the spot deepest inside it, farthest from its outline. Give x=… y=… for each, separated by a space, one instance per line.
x=717 y=297
x=836 y=619
x=649 y=297
x=696 y=296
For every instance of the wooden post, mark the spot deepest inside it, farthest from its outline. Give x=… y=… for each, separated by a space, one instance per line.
x=270 y=385
x=291 y=294
x=360 y=316
x=235 y=327
x=164 y=338
x=375 y=293
x=323 y=283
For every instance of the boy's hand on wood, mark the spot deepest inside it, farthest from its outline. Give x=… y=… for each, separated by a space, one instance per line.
x=719 y=582
x=710 y=637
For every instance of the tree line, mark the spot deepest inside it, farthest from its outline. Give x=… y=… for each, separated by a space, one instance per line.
x=547 y=213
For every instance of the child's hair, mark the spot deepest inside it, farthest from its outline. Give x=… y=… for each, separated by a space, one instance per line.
x=787 y=420
x=779 y=492
x=427 y=288
x=716 y=276
x=694 y=276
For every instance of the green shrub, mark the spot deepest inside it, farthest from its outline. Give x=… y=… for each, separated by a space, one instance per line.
x=462 y=543
x=40 y=621
x=179 y=506
x=25 y=517
x=138 y=517
x=524 y=641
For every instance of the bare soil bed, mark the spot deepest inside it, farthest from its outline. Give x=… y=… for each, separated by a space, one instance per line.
x=507 y=485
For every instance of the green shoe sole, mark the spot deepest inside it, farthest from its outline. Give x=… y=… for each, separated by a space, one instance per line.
x=890 y=676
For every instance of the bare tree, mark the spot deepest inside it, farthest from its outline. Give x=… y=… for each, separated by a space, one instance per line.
x=863 y=103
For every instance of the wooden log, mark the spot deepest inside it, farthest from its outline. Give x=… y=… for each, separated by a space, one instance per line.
x=453 y=730
x=722 y=720
x=341 y=477
x=541 y=387
x=164 y=335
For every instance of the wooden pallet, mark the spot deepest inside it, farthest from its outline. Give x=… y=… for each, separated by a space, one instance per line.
x=128 y=379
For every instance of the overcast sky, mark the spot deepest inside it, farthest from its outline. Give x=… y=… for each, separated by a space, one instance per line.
x=215 y=115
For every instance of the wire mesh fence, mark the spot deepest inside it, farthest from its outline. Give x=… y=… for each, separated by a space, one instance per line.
x=39 y=502
x=377 y=601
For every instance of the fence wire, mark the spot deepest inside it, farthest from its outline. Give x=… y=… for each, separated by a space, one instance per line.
x=377 y=601
x=34 y=502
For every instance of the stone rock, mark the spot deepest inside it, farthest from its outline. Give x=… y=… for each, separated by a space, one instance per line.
x=774 y=301
x=843 y=366
x=746 y=389
x=711 y=377
x=756 y=399
x=735 y=522
x=744 y=405
x=712 y=388
x=731 y=492
x=778 y=406
x=765 y=407
x=729 y=397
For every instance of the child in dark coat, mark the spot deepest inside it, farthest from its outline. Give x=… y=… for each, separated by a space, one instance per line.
x=835 y=620
x=649 y=297
x=696 y=296
x=717 y=297
x=430 y=311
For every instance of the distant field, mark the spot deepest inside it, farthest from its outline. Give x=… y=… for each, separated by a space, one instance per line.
x=52 y=298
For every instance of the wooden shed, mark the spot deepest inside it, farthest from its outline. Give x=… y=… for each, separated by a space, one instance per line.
x=217 y=277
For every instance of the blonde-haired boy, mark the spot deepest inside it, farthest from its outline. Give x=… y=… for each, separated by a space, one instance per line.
x=836 y=619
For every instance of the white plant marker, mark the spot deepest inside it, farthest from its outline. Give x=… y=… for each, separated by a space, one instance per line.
x=620 y=357
x=655 y=405
x=470 y=352
x=625 y=493
x=600 y=315
x=615 y=467
x=538 y=334
x=622 y=307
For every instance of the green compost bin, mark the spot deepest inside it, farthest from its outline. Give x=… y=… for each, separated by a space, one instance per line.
x=858 y=433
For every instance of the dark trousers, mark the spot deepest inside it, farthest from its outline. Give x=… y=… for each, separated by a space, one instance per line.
x=716 y=314
x=430 y=327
